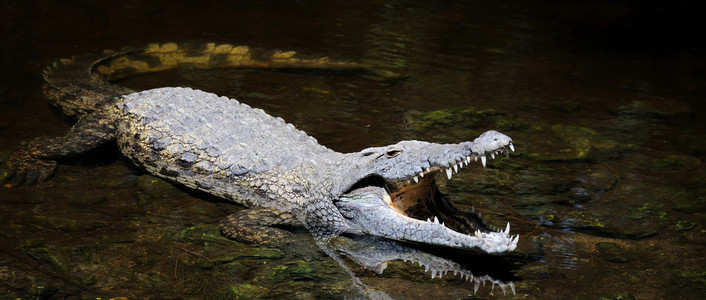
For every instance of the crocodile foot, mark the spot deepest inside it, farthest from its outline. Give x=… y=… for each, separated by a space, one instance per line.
x=252 y=226
x=25 y=168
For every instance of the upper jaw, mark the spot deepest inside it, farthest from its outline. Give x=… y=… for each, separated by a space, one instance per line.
x=453 y=157
x=415 y=160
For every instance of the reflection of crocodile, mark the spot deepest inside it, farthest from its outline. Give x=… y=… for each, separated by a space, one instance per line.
x=374 y=253
x=228 y=149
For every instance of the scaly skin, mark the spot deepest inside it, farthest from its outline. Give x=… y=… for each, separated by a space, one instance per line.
x=220 y=146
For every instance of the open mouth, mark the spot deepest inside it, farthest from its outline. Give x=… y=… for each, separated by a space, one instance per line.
x=414 y=209
x=424 y=201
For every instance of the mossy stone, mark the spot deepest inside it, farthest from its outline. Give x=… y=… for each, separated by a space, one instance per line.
x=248 y=291
x=684 y=225
x=611 y=252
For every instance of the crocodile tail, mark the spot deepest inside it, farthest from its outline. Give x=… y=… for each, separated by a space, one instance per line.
x=72 y=86
x=168 y=56
x=81 y=84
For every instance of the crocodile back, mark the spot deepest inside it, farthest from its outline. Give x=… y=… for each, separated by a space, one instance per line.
x=195 y=137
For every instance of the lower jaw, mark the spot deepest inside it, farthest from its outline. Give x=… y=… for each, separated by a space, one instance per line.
x=423 y=201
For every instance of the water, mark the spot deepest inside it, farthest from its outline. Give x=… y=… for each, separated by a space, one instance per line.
x=602 y=99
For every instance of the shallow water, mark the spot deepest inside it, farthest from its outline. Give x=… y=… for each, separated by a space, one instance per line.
x=603 y=100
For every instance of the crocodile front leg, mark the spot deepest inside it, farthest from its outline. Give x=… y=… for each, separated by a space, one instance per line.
x=254 y=226
x=35 y=160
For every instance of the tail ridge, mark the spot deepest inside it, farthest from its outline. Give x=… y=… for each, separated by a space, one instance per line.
x=81 y=84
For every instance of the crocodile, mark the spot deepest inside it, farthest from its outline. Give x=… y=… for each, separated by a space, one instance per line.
x=228 y=149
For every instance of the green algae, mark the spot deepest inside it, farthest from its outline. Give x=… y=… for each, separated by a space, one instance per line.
x=51 y=256
x=578 y=140
x=219 y=249
x=584 y=220
x=291 y=270
x=248 y=291
x=684 y=225
x=691 y=279
x=609 y=223
x=194 y=234
x=32 y=286
x=648 y=209
x=569 y=143
x=460 y=123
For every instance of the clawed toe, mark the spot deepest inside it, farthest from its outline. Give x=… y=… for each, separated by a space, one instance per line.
x=27 y=170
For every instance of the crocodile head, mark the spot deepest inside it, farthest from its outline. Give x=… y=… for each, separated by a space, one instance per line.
x=393 y=194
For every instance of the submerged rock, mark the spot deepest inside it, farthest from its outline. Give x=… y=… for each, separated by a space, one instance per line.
x=248 y=291
x=611 y=252
x=657 y=108
x=17 y=284
x=684 y=225
x=459 y=123
x=569 y=143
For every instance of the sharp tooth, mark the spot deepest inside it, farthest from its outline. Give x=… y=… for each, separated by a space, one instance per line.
x=492 y=155
x=517 y=238
x=455 y=168
x=436 y=220
x=408 y=182
x=507 y=229
x=480 y=215
x=416 y=179
x=428 y=169
x=475 y=158
x=512 y=148
x=421 y=174
x=512 y=287
x=448 y=173
x=475 y=287
x=465 y=162
x=468 y=159
x=428 y=220
x=483 y=160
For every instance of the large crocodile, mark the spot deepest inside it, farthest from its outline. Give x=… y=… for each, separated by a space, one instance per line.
x=228 y=149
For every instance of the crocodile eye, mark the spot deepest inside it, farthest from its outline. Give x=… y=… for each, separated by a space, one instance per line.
x=392 y=151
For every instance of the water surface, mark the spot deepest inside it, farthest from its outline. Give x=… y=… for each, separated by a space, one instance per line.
x=603 y=100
